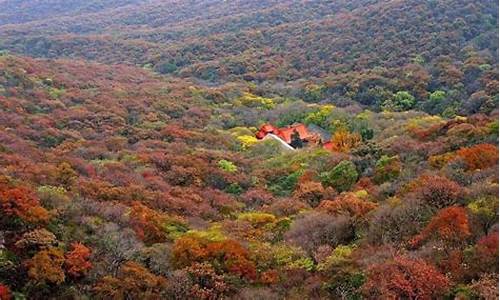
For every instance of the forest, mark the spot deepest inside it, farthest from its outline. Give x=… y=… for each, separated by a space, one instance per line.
x=134 y=161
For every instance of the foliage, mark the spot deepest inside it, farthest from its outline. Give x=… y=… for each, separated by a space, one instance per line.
x=132 y=281
x=348 y=204
x=449 y=225
x=402 y=277
x=401 y=101
x=225 y=256
x=129 y=166
x=77 y=261
x=251 y=100
x=22 y=203
x=387 y=168
x=344 y=141
x=227 y=166
x=320 y=117
x=438 y=192
x=247 y=141
x=479 y=156
x=5 y=292
x=342 y=177
x=46 y=267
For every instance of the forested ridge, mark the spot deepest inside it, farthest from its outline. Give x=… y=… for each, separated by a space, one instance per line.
x=131 y=166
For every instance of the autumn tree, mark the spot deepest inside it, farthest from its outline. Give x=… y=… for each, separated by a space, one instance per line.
x=484 y=256
x=147 y=223
x=22 y=203
x=449 y=225
x=227 y=255
x=77 y=260
x=65 y=175
x=403 y=277
x=206 y=283
x=310 y=192
x=46 y=266
x=38 y=238
x=348 y=204
x=437 y=191
x=343 y=141
x=479 y=156
x=133 y=281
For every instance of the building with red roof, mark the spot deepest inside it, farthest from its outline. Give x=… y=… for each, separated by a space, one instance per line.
x=286 y=133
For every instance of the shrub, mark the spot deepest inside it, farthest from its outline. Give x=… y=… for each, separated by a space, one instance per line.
x=227 y=166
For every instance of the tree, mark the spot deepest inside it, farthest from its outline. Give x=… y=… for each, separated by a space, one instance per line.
x=437 y=96
x=38 y=238
x=449 y=225
x=342 y=177
x=479 y=156
x=147 y=223
x=225 y=256
x=348 y=204
x=437 y=191
x=310 y=192
x=65 y=175
x=315 y=229
x=77 y=261
x=484 y=256
x=206 y=284
x=404 y=278
x=401 y=101
x=46 y=266
x=387 y=168
x=133 y=281
x=21 y=202
x=343 y=141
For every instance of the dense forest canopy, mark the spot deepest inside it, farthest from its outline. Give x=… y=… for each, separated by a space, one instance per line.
x=131 y=165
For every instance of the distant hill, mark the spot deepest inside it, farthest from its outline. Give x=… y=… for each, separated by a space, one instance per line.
x=255 y=40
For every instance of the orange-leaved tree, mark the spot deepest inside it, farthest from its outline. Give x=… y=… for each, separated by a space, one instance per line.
x=133 y=281
x=226 y=255
x=46 y=266
x=77 y=261
x=449 y=225
x=479 y=156
x=21 y=202
x=404 y=278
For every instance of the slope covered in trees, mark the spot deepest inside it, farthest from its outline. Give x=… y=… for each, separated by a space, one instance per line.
x=129 y=166
x=116 y=180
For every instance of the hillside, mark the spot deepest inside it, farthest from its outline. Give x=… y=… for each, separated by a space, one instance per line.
x=134 y=162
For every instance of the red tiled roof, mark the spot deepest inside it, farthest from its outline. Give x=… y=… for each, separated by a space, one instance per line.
x=328 y=145
x=286 y=133
x=268 y=128
x=260 y=134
